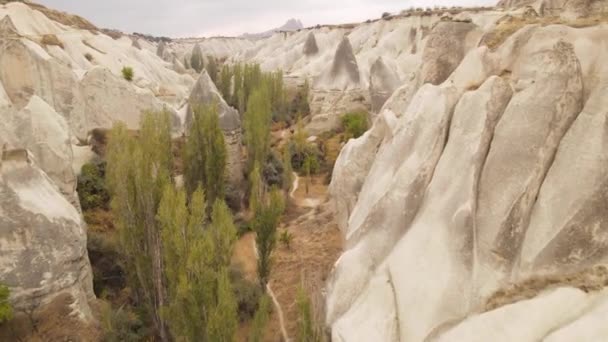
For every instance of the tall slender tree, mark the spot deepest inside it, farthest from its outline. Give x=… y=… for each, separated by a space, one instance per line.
x=205 y=155
x=137 y=172
x=257 y=121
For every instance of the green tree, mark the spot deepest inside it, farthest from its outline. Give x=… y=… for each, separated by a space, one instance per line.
x=6 y=311
x=223 y=318
x=225 y=82
x=287 y=170
x=260 y=320
x=205 y=154
x=257 y=121
x=212 y=68
x=311 y=166
x=265 y=226
x=196 y=60
x=306 y=327
x=138 y=170
x=256 y=188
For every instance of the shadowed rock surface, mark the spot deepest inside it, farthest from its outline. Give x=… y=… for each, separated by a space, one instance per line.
x=310 y=46
x=345 y=64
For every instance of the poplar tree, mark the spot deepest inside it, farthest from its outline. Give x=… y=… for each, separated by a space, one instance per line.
x=196 y=60
x=260 y=320
x=138 y=170
x=205 y=154
x=257 y=121
x=265 y=226
x=223 y=318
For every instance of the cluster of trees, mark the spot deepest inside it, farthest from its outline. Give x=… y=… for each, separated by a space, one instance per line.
x=177 y=242
x=237 y=83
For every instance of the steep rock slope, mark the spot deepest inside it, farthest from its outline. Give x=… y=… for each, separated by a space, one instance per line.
x=490 y=175
x=42 y=237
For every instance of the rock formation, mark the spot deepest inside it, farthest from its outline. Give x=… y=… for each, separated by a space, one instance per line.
x=446 y=222
x=344 y=66
x=44 y=251
x=383 y=82
x=310 y=46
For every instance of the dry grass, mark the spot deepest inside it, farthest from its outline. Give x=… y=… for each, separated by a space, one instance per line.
x=53 y=322
x=509 y=25
x=51 y=40
x=64 y=18
x=590 y=280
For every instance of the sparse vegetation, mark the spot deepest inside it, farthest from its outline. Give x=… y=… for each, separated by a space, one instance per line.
x=89 y=57
x=355 y=124
x=52 y=40
x=91 y=187
x=260 y=320
x=286 y=238
x=120 y=324
x=6 y=311
x=128 y=73
x=307 y=330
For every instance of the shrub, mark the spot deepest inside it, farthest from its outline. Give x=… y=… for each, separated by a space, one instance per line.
x=127 y=73
x=121 y=324
x=355 y=124
x=385 y=15
x=273 y=170
x=286 y=238
x=6 y=311
x=91 y=187
x=88 y=56
x=51 y=39
x=247 y=294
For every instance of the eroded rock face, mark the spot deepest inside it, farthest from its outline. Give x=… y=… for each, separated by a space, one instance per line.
x=441 y=222
x=205 y=93
x=43 y=239
x=110 y=99
x=345 y=64
x=310 y=46
x=444 y=50
x=383 y=82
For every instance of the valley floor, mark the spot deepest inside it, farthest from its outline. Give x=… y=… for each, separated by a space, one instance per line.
x=315 y=247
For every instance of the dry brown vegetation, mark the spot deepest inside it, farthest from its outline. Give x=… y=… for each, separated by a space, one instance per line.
x=507 y=26
x=589 y=280
x=55 y=322
x=52 y=40
x=64 y=18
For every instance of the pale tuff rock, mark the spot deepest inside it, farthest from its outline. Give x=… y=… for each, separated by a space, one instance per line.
x=383 y=82
x=110 y=99
x=310 y=46
x=206 y=93
x=566 y=231
x=444 y=50
x=548 y=103
x=42 y=237
x=344 y=68
x=512 y=195
x=46 y=135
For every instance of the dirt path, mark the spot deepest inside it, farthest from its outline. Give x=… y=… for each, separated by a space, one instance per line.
x=315 y=246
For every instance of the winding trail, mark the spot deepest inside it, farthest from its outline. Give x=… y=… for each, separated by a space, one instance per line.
x=275 y=301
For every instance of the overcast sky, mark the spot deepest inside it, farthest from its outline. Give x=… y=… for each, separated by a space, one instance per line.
x=185 y=18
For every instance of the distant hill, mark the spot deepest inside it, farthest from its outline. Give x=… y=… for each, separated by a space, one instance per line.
x=290 y=25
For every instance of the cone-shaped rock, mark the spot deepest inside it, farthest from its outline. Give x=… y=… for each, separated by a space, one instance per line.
x=310 y=46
